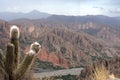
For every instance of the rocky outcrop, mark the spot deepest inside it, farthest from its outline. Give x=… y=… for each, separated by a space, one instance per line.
x=52 y=57
x=56 y=59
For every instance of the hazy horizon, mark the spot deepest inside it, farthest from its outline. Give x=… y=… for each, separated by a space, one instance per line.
x=63 y=7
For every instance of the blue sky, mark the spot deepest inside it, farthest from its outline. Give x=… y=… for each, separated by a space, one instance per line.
x=64 y=7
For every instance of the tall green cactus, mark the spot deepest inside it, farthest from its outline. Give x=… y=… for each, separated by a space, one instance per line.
x=10 y=65
x=14 y=39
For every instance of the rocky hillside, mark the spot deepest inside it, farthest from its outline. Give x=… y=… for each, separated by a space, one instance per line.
x=102 y=27
x=63 y=43
x=3 y=34
x=69 y=48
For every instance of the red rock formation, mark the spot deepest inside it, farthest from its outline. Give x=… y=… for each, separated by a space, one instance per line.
x=53 y=58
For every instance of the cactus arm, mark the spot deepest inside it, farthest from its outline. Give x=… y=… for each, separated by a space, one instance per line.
x=2 y=71
x=28 y=60
x=2 y=65
x=14 y=38
x=2 y=59
x=9 y=63
x=25 y=66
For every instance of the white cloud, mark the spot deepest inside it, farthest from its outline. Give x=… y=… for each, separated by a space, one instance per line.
x=13 y=8
x=63 y=7
x=116 y=10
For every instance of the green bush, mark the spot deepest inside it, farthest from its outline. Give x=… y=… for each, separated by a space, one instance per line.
x=63 y=50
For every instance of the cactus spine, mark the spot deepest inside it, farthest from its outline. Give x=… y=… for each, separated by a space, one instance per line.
x=11 y=67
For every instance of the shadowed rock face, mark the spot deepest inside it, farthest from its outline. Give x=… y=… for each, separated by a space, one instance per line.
x=112 y=65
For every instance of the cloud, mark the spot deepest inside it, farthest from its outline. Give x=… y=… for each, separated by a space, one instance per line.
x=115 y=10
x=15 y=8
x=67 y=7
x=109 y=11
x=104 y=10
x=99 y=8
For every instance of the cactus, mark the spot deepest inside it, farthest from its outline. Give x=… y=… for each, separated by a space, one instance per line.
x=14 y=39
x=10 y=65
x=2 y=59
x=28 y=60
x=10 y=61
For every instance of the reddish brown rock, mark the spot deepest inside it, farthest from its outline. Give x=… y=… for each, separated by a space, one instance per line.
x=53 y=58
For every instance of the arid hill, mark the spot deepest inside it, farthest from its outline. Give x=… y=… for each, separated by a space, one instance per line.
x=67 y=47
x=61 y=46
x=68 y=41
x=101 y=27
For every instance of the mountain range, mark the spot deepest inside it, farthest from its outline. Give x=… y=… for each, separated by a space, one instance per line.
x=100 y=19
x=30 y=15
x=67 y=41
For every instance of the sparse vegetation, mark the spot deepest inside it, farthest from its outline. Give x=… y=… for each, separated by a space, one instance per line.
x=100 y=73
x=65 y=77
x=63 y=50
x=46 y=65
x=50 y=46
x=94 y=58
x=101 y=69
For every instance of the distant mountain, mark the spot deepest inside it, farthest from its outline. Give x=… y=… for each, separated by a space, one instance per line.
x=100 y=19
x=117 y=18
x=31 y=15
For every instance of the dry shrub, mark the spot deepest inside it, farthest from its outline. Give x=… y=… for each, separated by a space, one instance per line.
x=100 y=73
x=99 y=67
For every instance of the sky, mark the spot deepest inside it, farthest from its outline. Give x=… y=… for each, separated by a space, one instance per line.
x=63 y=7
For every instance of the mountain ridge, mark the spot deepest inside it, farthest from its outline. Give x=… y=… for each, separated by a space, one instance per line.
x=100 y=19
x=8 y=16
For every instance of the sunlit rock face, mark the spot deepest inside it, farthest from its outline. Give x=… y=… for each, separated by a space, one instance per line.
x=53 y=58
